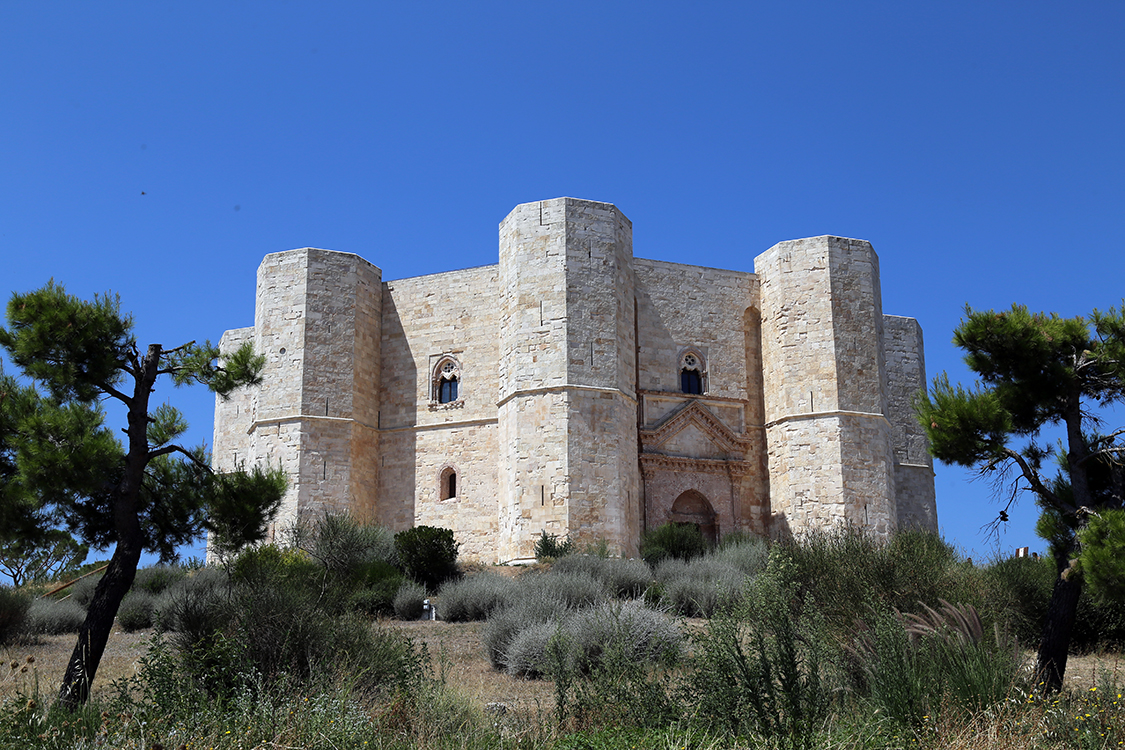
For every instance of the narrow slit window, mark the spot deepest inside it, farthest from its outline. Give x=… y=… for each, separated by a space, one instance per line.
x=448 y=484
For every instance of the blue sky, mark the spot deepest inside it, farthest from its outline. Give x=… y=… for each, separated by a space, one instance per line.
x=160 y=150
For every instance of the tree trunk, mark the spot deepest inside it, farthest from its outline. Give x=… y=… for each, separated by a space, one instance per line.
x=1050 y=665
x=95 y=629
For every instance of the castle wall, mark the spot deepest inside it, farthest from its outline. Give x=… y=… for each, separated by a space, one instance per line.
x=681 y=306
x=714 y=312
x=317 y=319
x=604 y=478
x=426 y=319
x=279 y=335
x=474 y=513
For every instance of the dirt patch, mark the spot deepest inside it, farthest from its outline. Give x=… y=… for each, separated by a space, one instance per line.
x=457 y=652
x=1084 y=672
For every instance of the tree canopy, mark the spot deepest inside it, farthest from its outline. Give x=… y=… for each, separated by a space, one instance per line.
x=62 y=466
x=1039 y=370
x=40 y=556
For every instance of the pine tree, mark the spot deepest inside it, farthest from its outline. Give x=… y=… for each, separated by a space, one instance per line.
x=62 y=465
x=1038 y=370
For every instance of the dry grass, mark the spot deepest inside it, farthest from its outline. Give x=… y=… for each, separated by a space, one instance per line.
x=1082 y=671
x=455 y=651
x=43 y=661
x=454 y=647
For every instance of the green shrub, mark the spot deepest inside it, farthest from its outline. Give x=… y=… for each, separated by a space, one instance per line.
x=196 y=607
x=1102 y=556
x=676 y=540
x=54 y=617
x=158 y=578
x=1099 y=623
x=526 y=652
x=428 y=555
x=1019 y=589
x=136 y=610
x=748 y=554
x=347 y=548
x=632 y=630
x=570 y=590
x=532 y=605
x=14 y=605
x=847 y=571
x=591 y=565
x=409 y=601
x=475 y=597
x=587 y=637
x=910 y=666
x=281 y=624
x=550 y=547
x=763 y=672
x=82 y=592
x=272 y=564
x=378 y=584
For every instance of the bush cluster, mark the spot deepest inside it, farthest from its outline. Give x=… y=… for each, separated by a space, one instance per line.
x=581 y=641
x=624 y=579
x=428 y=555
x=14 y=605
x=54 y=617
x=676 y=540
x=700 y=587
x=475 y=597
x=275 y=614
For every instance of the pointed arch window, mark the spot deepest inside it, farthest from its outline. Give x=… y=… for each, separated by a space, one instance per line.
x=446 y=382
x=693 y=375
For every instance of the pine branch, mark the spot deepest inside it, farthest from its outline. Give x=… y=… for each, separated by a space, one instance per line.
x=1037 y=485
x=178 y=449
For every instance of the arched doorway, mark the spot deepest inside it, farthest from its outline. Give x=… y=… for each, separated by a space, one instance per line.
x=692 y=507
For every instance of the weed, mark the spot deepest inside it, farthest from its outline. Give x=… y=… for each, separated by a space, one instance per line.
x=550 y=547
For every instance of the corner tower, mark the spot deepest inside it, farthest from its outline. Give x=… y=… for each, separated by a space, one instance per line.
x=317 y=320
x=828 y=437
x=567 y=376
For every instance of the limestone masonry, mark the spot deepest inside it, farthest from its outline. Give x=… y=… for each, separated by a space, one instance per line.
x=577 y=390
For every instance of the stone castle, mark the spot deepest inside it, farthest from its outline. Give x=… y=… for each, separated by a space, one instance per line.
x=577 y=390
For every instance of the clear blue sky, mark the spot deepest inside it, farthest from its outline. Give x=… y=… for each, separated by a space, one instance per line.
x=159 y=150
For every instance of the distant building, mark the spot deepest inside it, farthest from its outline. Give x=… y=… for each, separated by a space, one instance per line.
x=577 y=390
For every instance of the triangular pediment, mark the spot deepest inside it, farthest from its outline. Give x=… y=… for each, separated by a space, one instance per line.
x=693 y=431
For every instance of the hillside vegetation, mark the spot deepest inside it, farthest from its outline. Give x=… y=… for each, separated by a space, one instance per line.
x=835 y=640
